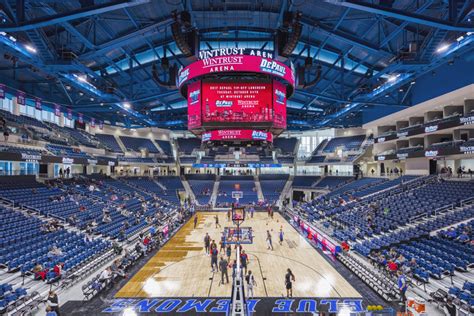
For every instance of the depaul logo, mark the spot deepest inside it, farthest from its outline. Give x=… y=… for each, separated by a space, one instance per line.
x=194 y=96
x=206 y=137
x=259 y=135
x=223 y=103
x=183 y=76
x=280 y=96
x=272 y=67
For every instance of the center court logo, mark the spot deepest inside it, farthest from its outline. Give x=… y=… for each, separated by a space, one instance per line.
x=223 y=103
x=259 y=135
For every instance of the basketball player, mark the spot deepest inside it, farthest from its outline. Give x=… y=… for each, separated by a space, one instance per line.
x=213 y=244
x=207 y=243
x=228 y=251
x=281 y=236
x=214 y=254
x=250 y=284
x=195 y=220
x=221 y=245
x=269 y=241
x=244 y=259
x=228 y=215
x=217 y=221
x=289 y=279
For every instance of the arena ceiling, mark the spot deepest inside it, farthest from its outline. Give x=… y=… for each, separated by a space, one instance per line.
x=97 y=56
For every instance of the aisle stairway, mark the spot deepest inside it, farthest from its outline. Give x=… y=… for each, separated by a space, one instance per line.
x=258 y=188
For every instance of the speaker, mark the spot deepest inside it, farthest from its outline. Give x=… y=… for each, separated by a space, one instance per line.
x=292 y=40
x=186 y=42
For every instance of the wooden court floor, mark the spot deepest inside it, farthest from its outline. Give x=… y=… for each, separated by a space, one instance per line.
x=182 y=269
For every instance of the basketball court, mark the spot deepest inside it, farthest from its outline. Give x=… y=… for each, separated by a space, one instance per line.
x=182 y=268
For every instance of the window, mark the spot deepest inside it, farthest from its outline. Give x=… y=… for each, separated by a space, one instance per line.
x=7 y=105
x=22 y=109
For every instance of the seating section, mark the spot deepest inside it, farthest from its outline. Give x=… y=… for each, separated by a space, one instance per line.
x=137 y=144
x=165 y=146
x=23 y=244
x=396 y=210
x=286 y=145
x=65 y=151
x=349 y=143
x=188 y=145
x=305 y=181
x=22 y=150
x=316 y=159
x=333 y=182
x=22 y=120
x=202 y=186
x=228 y=184
x=272 y=186
x=110 y=142
x=383 y=185
x=355 y=186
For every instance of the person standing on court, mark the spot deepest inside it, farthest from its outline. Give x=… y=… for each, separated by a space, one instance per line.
x=217 y=221
x=281 y=236
x=207 y=243
x=250 y=280
x=195 y=220
x=289 y=279
x=228 y=251
x=269 y=241
x=244 y=260
x=223 y=267
x=214 y=254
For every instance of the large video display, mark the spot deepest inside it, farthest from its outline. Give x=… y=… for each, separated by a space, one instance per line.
x=237 y=134
x=194 y=105
x=236 y=102
x=279 y=105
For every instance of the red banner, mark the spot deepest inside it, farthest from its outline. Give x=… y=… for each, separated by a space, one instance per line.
x=237 y=134
x=279 y=105
x=236 y=63
x=194 y=105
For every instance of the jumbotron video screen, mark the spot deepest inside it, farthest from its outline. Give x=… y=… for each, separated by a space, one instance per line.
x=224 y=104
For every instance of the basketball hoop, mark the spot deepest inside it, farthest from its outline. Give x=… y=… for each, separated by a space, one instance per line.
x=237 y=195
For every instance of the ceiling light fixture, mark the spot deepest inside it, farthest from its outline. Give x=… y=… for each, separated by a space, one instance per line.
x=442 y=48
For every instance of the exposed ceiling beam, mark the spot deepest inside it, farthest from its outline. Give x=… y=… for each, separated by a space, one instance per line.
x=64 y=17
x=403 y=15
x=345 y=36
x=128 y=38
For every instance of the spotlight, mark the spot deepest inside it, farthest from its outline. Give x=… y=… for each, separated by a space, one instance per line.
x=127 y=105
x=442 y=48
x=30 y=48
